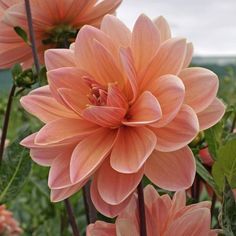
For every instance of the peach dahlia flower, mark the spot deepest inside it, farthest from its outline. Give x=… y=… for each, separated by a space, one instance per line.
x=164 y=217
x=119 y=105
x=8 y=225
x=52 y=19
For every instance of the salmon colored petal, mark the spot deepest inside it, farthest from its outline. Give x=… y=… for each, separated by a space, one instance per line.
x=211 y=115
x=104 y=116
x=163 y=27
x=41 y=91
x=125 y=184
x=126 y=227
x=173 y=171
x=145 y=110
x=36 y=155
x=189 y=55
x=67 y=78
x=195 y=223
x=178 y=201
x=117 y=31
x=150 y=195
x=57 y=58
x=132 y=148
x=169 y=91
x=90 y=153
x=58 y=195
x=179 y=132
x=145 y=42
x=201 y=86
x=45 y=108
x=103 y=207
x=168 y=60
x=101 y=228
x=64 y=130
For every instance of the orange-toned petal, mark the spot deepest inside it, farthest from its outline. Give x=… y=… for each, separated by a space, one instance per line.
x=189 y=55
x=163 y=27
x=168 y=60
x=126 y=227
x=45 y=108
x=201 y=86
x=115 y=187
x=150 y=195
x=90 y=153
x=179 y=132
x=145 y=42
x=211 y=115
x=57 y=58
x=41 y=91
x=132 y=148
x=117 y=30
x=178 y=201
x=103 y=207
x=145 y=110
x=169 y=91
x=64 y=130
x=173 y=171
x=101 y=228
x=104 y=116
x=38 y=157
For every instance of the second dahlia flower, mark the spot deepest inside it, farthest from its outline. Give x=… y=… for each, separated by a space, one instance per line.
x=120 y=105
x=56 y=22
x=164 y=217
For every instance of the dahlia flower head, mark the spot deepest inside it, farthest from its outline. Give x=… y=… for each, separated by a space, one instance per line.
x=52 y=20
x=120 y=105
x=8 y=225
x=164 y=217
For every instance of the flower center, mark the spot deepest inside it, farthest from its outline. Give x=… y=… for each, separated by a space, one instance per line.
x=61 y=36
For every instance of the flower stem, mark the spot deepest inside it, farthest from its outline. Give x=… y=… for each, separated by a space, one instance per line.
x=233 y=124
x=91 y=212
x=6 y=121
x=142 y=217
x=32 y=36
x=71 y=218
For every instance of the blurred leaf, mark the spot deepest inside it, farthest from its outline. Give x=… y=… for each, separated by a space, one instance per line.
x=228 y=211
x=16 y=70
x=22 y=34
x=14 y=171
x=226 y=165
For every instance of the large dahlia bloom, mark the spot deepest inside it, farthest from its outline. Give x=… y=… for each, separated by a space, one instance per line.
x=120 y=105
x=55 y=22
x=8 y=225
x=164 y=217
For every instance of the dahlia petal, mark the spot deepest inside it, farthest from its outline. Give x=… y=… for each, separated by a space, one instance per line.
x=201 y=86
x=64 y=130
x=132 y=148
x=145 y=42
x=90 y=153
x=179 y=132
x=41 y=91
x=189 y=55
x=145 y=110
x=178 y=201
x=150 y=195
x=117 y=30
x=173 y=171
x=45 y=108
x=211 y=115
x=104 y=116
x=101 y=228
x=115 y=187
x=57 y=58
x=103 y=207
x=168 y=60
x=169 y=91
x=163 y=27
x=126 y=227
x=36 y=155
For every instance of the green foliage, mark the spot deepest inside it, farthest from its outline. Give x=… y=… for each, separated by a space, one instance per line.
x=22 y=34
x=228 y=211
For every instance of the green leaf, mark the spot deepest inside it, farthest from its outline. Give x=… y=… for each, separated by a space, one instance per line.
x=16 y=70
x=203 y=172
x=14 y=171
x=228 y=211
x=226 y=165
x=213 y=139
x=22 y=34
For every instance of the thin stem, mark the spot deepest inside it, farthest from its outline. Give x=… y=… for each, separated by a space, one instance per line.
x=32 y=36
x=213 y=202
x=233 y=124
x=142 y=217
x=91 y=212
x=71 y=217
x=6 y=121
